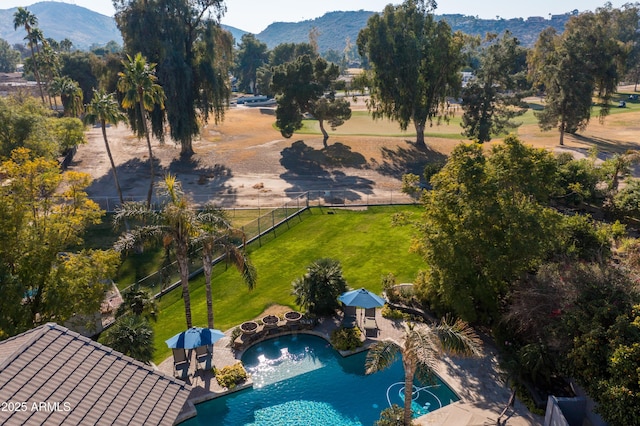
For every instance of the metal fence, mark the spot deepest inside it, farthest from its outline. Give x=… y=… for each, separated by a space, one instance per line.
x=265 y=227
x=270 y=200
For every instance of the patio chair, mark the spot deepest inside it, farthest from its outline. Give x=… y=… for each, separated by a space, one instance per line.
x=349 y=316
x=203 y=358
x=370 y=323
x=180 y=362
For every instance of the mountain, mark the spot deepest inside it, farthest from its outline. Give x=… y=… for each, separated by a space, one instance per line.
x=84 y=27
x=337 y=27
x=59 y=20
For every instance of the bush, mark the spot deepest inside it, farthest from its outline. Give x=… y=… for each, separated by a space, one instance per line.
x=230 y=376
x=392 y=416
x=346 y=339
x=390 y=313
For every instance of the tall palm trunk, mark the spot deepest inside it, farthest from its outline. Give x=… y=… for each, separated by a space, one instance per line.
x=113 y=164
x=409 y=373
x=183 y=266
x=207 y=267
x=36 y=73
x=146 y=133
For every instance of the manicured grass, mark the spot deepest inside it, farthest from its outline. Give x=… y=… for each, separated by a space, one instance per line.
x=136 y=266
x=365 y=242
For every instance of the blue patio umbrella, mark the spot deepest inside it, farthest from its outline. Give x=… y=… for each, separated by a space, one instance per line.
x=194 y=337
x=361 y=298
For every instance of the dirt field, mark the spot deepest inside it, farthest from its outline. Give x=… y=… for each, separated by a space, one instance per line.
x=244 y=161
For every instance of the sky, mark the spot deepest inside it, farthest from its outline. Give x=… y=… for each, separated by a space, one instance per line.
x=255 y=15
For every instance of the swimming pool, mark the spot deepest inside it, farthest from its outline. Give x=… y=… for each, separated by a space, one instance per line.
x=301 y=380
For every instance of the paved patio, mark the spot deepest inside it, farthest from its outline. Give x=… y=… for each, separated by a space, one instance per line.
x=478 y=382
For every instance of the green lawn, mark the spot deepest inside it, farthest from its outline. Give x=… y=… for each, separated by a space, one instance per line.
x=365 y=242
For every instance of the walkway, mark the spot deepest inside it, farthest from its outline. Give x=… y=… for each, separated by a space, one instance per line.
x=478 y=382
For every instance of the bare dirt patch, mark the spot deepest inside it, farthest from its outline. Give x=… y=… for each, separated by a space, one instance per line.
x=244 y=161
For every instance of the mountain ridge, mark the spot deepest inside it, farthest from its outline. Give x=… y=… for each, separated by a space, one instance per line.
x=335 y=29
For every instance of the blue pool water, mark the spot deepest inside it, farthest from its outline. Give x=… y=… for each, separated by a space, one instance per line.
x=301 y=380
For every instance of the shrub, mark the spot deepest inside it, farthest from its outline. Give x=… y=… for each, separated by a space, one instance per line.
x=390 y=313
x=230 y=376
x=346 y=339
x=392 y=416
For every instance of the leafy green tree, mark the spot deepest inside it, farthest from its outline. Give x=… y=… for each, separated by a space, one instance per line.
x=485 y=223
x=305 y=86
x=217 y=237
x=133 y=336
x=420 y=348
x=9 y=58
x=627 y=200
x=558 y=65
x=318 y=290
x=194 y=56
x=587 y=58
x=69 y=132
x=415 y=64
x=24 y=124
x=43 y=216
x=141 y=93
x=252 y=54
x=84 y=68
x=23 y=18
x=491 y=99
x=103 y=110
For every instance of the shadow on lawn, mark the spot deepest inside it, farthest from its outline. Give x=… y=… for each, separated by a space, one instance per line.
x=399 y=161
x=310 y=169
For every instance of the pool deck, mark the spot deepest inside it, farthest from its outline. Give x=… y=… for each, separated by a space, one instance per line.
x=478 y=381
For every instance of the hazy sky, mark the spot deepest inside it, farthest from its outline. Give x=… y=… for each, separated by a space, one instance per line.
x=256 y=15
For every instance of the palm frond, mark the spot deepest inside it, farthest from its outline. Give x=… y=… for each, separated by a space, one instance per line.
x=133 y=210
x=419 y=343
x=137 y=236
x=381 y=356
x=458 y=338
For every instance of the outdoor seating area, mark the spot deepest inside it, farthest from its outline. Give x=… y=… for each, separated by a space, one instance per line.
x=193 y=345
x=271 y=326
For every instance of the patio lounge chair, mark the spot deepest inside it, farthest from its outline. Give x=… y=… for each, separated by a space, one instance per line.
x=180 y=362
x=203 y=358
x=370 y=324
x=349 y=318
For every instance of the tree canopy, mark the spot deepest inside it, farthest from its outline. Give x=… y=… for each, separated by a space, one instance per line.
x=194 y=56
x=43 y=216
x=415 y=63
x=492 y=98
x=307 y=86
x=252 y=54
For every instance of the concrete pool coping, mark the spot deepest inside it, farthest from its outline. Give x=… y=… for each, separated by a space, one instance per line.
x=477 y=381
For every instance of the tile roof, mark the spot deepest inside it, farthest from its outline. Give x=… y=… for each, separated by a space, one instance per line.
x=51 y=375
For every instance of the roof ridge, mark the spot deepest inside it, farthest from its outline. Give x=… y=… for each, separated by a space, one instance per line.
x=29 y=336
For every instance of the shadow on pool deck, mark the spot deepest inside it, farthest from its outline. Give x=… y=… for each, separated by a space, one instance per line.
x=478 y=382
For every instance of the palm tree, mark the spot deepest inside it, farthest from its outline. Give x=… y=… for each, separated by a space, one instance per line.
x=318 y=290
x=173 y=225
x=133 y=336
x=138 y=84
x=104 y=109
x=217 y=236
x=71 y=96
x=26 y=19
x=420 y=347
